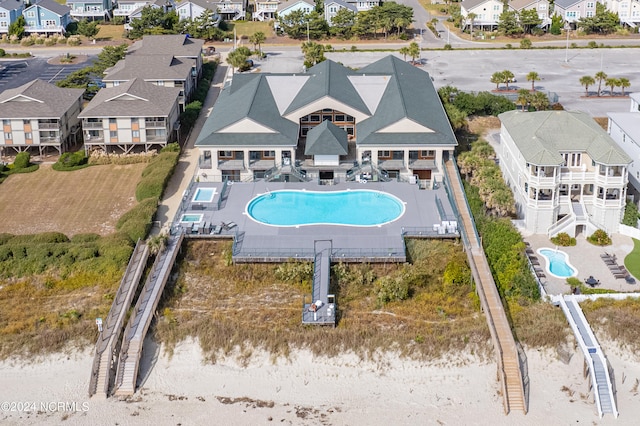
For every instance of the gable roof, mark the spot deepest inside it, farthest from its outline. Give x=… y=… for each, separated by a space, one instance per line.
x=343 y=4
x=135 y=98
x=290 y=3
x=150 y=67
x=205 y=4
x=38 y=99
x=328 y=79
x=410 y=105
x=11 y=4
x=629 y=122
x=326 y=139
x=565 y=4
x=519 y=5
x=635 y=96
x=541 y=137
x=178 y=45
x=392 y=102
x=57 y=8
x=470 y=4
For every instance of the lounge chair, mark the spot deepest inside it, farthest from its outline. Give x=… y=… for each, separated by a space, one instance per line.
x=535 y=262
x=629 y=279
x=217 y=230
x=605 y=256
x=540 y=274
x=229 y=225
x=620 y=276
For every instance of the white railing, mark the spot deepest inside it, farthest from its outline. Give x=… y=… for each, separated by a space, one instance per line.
x=551 y=231
x=629 y=231
x=610 y=180
x=562 y=300
x=577 y=176
x=541 y=179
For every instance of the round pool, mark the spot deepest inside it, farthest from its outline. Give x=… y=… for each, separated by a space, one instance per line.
x=558 y=263
x=345 y=208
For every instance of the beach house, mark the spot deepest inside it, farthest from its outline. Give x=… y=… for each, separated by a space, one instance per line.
x=9 y=12
x=567 y=174
x=624 y=128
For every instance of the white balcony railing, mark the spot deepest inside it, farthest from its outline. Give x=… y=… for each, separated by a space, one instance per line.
x=577 y=176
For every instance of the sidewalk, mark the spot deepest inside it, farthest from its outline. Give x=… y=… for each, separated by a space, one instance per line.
x=186 y=167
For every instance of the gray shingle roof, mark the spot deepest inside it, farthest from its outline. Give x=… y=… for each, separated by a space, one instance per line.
x=151 y=67
x=409 y=98
x=248 y=101
x=542 y=136
x=470 y=4
x=37 y=99
x=57 y=8
x=10 y=4
x=178 y=45
x=285 y=4
x=344 y=4
x=326 y=139
x=135 y=98
x=329 y=79
x=402 y=105
x=565 y=4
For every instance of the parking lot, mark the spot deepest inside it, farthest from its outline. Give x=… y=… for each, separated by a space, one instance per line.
x=15 y=73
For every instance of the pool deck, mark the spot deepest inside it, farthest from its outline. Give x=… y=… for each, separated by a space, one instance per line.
x=585 y=257
x=257 y=241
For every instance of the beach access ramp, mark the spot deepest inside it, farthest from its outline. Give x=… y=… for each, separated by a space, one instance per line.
x=321 y=310
x=136 y=330
x=106 y=352
x=511 y=360
x=599 y=372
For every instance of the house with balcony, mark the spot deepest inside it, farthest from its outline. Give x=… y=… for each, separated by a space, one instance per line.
x=481 y=14
x=46 y=17
x=330 y=123
x=624 y=128
x=133 y=115
x=130 y=10
x=628 y=11
x=232 y=10
x=90 y=9
x=567 y=174
x=542 y=8
x=9 y=12
x=160 y=70
x=364 y=5
x=286 y=7
x=193 y=9
x=265 y=10
x=40 y=115
x=572 y=10
x=331 y=8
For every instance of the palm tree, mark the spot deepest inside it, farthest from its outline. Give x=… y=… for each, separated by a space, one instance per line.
x=414 y=51
x=624 y=83
x=258 y=38
x=587 y=81
x=523 y=98
x=470 y=17
x=497 y=78
x=611 y=82
x=404 y=51
x=539 y=101
x=600 y=76
x=533 y=77
x=508 y=77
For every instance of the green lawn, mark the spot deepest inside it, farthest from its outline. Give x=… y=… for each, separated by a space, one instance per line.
x=111 y=32
x=250 y=27
x=632 y=261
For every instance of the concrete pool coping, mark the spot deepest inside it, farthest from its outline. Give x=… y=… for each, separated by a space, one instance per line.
x=566 y=261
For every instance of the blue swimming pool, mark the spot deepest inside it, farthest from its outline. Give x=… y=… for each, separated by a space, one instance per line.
x=191 y=218
x=346 y=208
x=204 y=195
x=558 y=263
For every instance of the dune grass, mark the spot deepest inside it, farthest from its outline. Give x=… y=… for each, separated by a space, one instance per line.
x=616 y=319
x=236 y=308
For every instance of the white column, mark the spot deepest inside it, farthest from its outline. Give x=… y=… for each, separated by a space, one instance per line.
x=278 y=154
x=245 y=160
x=405 y=159
x=292 y=153
x=214 y=159
x=374 y=157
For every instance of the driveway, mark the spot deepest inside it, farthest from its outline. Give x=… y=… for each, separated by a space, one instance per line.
x=16 y=72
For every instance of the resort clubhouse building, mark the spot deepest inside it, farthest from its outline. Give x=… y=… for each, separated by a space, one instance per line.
x=328 y=124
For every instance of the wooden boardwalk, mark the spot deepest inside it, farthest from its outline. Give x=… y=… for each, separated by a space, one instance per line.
x=136 y=330
x=510 y=364
x=105 y=357
x=325 y=314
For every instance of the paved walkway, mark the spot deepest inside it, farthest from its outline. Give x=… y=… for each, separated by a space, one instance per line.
x=188 y=162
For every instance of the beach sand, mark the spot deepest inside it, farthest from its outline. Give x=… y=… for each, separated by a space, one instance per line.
x=307 y=390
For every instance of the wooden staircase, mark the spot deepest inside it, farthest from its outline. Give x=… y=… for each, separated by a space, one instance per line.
x=510 y=369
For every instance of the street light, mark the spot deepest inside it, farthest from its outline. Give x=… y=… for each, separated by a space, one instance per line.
x=567 y=27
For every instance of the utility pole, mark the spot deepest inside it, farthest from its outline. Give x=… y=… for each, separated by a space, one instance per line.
x=567 y=27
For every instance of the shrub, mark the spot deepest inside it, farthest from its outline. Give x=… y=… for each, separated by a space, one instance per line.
x=171 y=147
x=391 y=289
x=22 y=161
x=155 y=176
x=136 y=223
x=592 y=45
x=630 y=217
x=73 y=41
x=599 y=238
x=525 y=43
x=563 y=239
x=508 y=46
x=71 y=161
x=27 y=42
x=448 y=47
x=2 y=53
